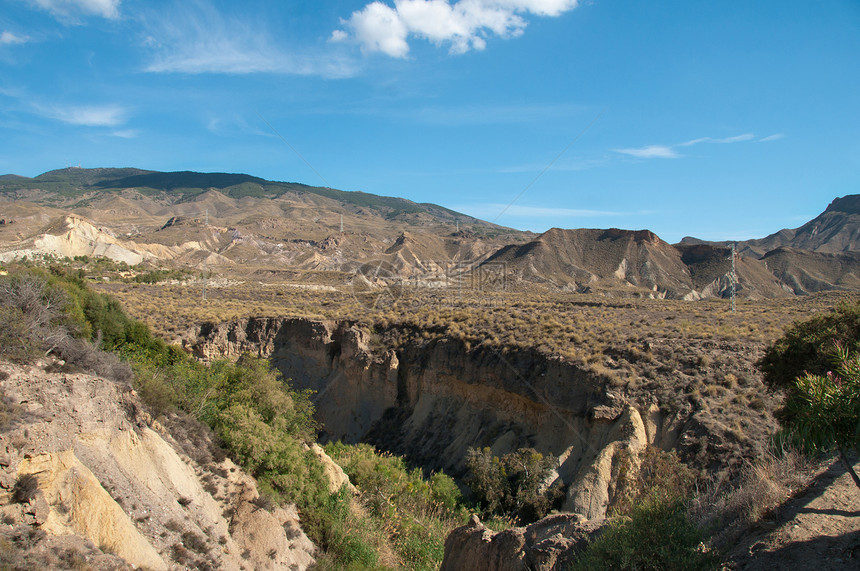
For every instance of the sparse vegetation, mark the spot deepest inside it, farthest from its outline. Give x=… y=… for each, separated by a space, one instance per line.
x=727 y=509
x=412 y=513
x=264 y=425
x=650 y=527
x=403 y=516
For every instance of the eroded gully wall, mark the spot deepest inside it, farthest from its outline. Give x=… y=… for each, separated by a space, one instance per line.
x=431 y=401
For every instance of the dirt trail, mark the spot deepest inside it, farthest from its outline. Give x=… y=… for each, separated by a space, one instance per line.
x=818 y=529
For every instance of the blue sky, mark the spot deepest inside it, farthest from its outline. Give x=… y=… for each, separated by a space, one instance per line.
x=722 y=120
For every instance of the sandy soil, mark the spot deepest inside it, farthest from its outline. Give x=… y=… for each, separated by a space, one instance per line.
x=818 y=529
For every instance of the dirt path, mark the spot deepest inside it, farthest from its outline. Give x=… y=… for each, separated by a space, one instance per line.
x=818 y=529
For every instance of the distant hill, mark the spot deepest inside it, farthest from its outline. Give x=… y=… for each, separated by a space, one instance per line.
x=240 y=223
x=587 y=258
x=837 y=229
x=71 y=187
x=805 y=271
x=636 y=263
x=234 y=220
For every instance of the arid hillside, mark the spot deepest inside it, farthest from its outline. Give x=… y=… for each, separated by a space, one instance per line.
x=233 y=224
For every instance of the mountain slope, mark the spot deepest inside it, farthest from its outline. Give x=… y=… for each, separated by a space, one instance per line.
x=837 y=229
x=76 y=187
x=805 y=271
x=584 y=258
x=239 y=223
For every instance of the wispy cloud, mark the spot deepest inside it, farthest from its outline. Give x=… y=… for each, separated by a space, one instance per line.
x=71 y=10
x=670 y=151
x=86 y=115
x=774 y=137
x=651 y=152
x=464 y=25
x=196 y=38
x=723 y=141
x=126 y=133
x=235 y=125
x=8 y=38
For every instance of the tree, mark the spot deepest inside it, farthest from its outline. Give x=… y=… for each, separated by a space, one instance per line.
x=511 y=485
x=822 y=412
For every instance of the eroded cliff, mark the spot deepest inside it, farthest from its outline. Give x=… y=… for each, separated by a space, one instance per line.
x=431 y=399
x=86 y=474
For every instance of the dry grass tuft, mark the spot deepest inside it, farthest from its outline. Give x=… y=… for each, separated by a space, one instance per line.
x=760 y=488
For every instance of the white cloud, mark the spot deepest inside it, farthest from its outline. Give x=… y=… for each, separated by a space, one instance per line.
x=774 y=137
x=725 y=140
x=87 y=115
x=670 y=152
x=378 y=28
x=69 y=9
x=338 y=36
x=651 y=152
x=126 y=133
x=735 y=139
x=464 y=24
x=196 y=38
x=8 y=38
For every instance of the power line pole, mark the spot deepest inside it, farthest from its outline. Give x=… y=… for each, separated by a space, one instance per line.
x=734 y=277
x=341 y=223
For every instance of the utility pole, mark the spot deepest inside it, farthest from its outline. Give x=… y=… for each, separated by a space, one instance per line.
x=207 y=217
x=341 y=223
x=460 y=280
x=734 y=277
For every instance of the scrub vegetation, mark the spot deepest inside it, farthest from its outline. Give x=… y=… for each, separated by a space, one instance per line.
x=667 y=516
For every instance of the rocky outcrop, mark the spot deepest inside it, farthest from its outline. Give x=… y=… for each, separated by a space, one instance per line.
x=89 y=510
x=593 y=486
x=72 y=235
x=79 y=458
x=548 y=545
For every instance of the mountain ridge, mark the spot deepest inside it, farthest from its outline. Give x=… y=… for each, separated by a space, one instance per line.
x=239 y=221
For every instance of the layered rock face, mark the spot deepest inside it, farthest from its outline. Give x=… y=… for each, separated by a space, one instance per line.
x=548 y=545
x=433 y=401
x=80 y=460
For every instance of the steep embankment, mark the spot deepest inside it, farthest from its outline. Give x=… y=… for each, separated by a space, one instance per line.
x=84 y=473
x=433 y=399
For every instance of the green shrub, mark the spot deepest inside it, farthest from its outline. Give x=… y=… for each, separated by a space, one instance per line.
x=661 y=475
x=411 y=512
x=657 y=535
x=816 y=363
x=649 y=526
x=510 y=486
x=809 y=346
x=822 y=412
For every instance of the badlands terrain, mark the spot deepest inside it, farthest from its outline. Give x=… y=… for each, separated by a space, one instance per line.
x=425 y=333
